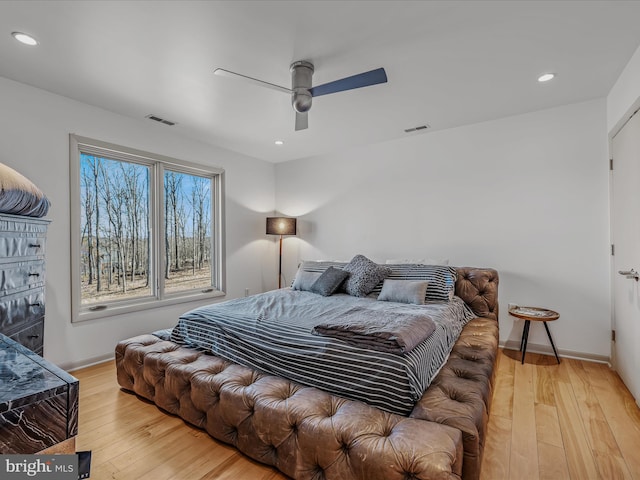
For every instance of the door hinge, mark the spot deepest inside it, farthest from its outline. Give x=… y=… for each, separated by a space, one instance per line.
x=613 y=335
x=611 y=164
x=613 y=249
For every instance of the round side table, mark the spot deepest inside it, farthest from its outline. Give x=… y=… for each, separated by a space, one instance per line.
x=535 y=314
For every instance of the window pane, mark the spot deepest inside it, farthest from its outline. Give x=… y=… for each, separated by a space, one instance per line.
x=114 y=224
x=187 y=245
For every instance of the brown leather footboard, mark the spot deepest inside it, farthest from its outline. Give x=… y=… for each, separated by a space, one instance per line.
x=304 y=432
x=309 y=434
x=460 y=395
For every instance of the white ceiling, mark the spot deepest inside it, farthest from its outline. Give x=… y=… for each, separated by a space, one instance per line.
x=449 y=63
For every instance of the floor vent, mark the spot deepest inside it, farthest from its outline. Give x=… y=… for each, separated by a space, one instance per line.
x=161 y=120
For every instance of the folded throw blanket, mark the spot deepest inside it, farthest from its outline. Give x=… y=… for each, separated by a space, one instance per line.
x=397 y=332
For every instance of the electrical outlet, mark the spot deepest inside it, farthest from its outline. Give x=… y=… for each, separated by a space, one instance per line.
x=246 y=292
x=512 y=306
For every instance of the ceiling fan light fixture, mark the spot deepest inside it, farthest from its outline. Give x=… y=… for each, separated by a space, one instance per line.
x=301 y=75
x=302 y=91
x=545 y=77
x=25 y=38
x=301 y=101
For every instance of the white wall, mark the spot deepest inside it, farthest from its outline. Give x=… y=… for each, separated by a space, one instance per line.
x=527 y=195
x=34 y=129
x=624 y=97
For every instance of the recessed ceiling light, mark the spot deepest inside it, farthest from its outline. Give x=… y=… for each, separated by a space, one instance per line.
x=25 y=38
x=279 y=142
x=546 y=77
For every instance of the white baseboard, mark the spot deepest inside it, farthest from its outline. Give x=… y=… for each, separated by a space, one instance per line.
x=547 y=350
x=71 y=366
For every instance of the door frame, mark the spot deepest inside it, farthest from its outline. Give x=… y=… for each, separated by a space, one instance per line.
x=629 y=114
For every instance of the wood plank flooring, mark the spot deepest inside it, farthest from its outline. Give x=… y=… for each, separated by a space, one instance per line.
x=572 y=421
x=131 y=438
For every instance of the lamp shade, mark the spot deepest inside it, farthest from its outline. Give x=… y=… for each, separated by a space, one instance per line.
x=281 y=226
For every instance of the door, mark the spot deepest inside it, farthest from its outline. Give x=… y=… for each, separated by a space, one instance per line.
x=625 y=184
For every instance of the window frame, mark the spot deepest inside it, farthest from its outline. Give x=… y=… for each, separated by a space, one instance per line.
x=157 y=164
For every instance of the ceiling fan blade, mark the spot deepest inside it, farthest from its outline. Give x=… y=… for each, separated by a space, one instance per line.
x=227 y=73
x=302 y=121
x=360 y=80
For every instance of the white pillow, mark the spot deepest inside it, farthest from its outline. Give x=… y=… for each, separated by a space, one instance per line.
x=404 y=291
x=304 y=280
x=422 y=261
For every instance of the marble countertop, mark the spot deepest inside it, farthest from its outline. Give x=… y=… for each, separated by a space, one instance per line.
x=26 y=378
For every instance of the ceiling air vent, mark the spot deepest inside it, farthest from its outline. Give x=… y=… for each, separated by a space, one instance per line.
x=161 y=120
x=415 y=129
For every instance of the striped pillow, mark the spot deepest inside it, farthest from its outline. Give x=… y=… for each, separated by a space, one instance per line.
x=441 y=278
x=314 y=267
x=319 y=266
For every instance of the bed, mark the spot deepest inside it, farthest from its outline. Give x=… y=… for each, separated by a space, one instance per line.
x=311 y=432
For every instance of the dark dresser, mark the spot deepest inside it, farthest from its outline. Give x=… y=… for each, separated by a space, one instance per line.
x=38 y=403
x=22 y=271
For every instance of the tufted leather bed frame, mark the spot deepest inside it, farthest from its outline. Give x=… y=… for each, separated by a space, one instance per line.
x=309 y=434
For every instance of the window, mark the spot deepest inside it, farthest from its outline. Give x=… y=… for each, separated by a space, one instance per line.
x=146 y=230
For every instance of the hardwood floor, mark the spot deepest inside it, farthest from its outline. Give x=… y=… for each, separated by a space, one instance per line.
x=573 y=421
x=132 y=439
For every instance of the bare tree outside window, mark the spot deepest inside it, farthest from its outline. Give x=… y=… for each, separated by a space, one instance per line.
x=187 y=231
x=146 y=232
x=115 y=229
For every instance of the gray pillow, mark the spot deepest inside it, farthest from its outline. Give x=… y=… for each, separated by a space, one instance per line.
x=304 y=280
x=329 y=282
x=441 y=278
x=365 y=275
x=404 y=291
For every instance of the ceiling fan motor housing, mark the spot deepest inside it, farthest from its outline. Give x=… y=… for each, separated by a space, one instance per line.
x=301 y=73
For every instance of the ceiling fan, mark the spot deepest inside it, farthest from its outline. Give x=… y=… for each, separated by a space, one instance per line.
x=301 y=90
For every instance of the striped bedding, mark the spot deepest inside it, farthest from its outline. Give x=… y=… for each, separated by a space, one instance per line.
x=272 y=332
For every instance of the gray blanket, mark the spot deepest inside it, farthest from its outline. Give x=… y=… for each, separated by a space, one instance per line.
x=397 y=332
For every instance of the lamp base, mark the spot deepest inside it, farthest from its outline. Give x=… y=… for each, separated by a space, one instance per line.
x=280 y=266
